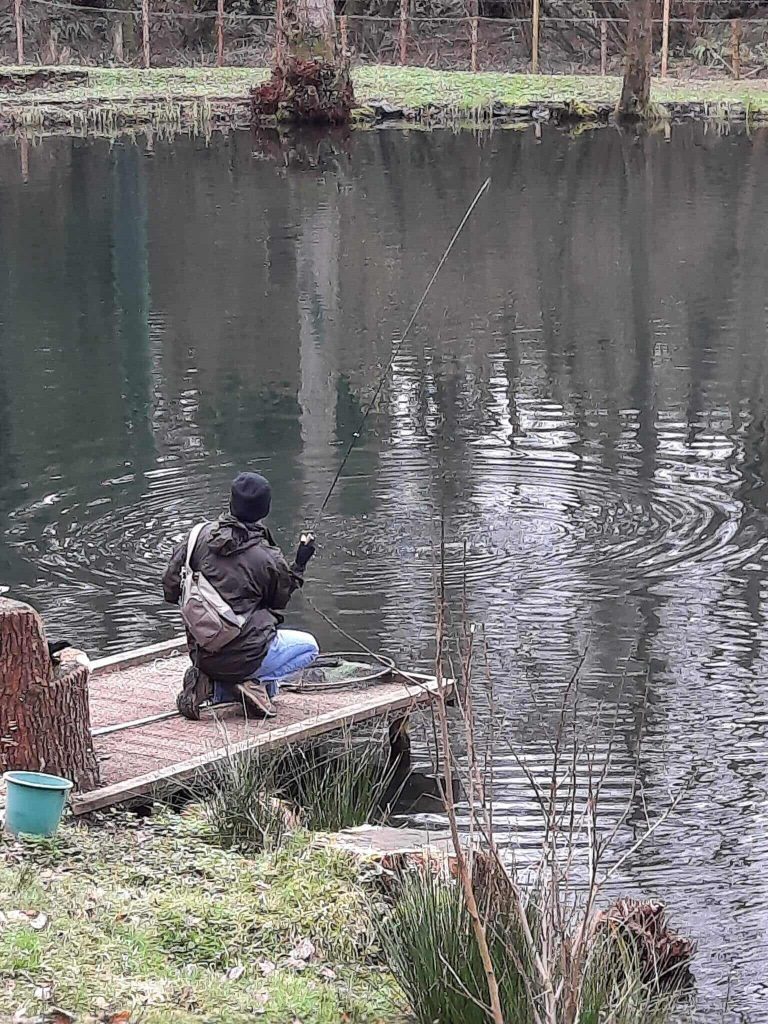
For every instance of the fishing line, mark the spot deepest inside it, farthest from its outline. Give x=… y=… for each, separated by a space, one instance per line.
x=396 y=351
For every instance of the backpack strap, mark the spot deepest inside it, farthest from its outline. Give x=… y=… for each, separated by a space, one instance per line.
x=194 y=533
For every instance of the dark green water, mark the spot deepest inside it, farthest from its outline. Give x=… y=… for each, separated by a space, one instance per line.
x=584 y=398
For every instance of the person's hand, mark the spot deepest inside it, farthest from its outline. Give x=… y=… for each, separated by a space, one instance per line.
x=305 y=550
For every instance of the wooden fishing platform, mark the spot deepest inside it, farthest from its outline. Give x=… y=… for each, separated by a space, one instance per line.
x=143 y=745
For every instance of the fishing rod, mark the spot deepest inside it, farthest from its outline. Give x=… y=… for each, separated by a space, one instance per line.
x=396 y=352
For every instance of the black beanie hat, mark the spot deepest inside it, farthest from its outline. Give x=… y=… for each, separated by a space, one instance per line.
x=251 y=497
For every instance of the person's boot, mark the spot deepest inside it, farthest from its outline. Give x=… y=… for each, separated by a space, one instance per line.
x=195 y=690
x=255 y=699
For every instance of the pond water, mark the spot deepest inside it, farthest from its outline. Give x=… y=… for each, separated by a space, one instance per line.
x=584 y=400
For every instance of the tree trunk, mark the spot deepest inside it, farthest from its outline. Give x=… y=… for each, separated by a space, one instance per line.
x=311 y=79
x=635 y=99
x=45 y=722
x=309 y=28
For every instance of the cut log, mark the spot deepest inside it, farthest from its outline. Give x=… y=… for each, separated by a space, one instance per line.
x=45 y=722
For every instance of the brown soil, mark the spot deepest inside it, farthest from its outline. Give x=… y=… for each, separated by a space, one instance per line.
x=52 y=79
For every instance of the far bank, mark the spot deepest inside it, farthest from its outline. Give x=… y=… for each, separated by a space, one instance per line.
x=103 y=101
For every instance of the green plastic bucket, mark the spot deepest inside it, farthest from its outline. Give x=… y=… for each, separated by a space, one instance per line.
x=34 y=802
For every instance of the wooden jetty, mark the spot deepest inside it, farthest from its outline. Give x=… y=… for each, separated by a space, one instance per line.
x=142 y=745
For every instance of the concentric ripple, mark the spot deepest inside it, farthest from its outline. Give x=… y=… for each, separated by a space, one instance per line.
x=531 y=523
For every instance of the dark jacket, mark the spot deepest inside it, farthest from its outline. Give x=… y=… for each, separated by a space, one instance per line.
x=247 y=568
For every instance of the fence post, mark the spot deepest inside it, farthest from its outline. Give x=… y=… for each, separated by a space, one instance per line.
x=145 y=31
x=219 y=33
x=736 y=30
x=603 y=47
x=118 y=43
x=344 y=35
x=279 y=33
x=403 y=29
x=665 y=40
x=473 y=61
x=535 y=38
x=19 y=31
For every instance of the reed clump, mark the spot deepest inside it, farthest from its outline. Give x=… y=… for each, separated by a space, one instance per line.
x=254 y=801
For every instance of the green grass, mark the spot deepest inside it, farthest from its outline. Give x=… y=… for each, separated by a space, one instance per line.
x=153 y=918
x=415 y=88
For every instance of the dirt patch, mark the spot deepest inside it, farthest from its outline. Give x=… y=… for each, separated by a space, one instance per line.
x=20 y=80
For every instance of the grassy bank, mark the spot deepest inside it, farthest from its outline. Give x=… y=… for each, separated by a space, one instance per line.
x=151 y=921
x=207 y=97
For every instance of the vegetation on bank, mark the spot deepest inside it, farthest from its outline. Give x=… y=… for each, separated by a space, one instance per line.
x=180 y=96
x=230 y=910
x=151 y=920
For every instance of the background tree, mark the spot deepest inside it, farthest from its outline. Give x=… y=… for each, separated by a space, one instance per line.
x=311 y=78
x=635 y=100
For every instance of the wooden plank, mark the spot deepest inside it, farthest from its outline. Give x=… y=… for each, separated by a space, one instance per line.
x=473 y=38
x=139 y=656
x=220 y=33
x=665 y=40
x=19 y=22
x=135 y=723
x=268 y=740
x=145 y=32
x=736 y=36
x=403 y=30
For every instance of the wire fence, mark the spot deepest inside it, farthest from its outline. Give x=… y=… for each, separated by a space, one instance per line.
x=690 y=36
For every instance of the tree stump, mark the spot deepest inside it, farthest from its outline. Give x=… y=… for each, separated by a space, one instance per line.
x=45 y=722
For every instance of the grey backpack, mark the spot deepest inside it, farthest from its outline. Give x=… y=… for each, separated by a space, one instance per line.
x=206 y=614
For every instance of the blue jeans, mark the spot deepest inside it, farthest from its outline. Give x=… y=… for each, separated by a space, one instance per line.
x=289 y=652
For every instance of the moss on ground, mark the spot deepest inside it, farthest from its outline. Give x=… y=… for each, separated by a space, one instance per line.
x=136 y=920
x=412 y=87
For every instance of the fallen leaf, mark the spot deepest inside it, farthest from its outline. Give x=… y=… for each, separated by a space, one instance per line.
x=304 y=951
x=186 y=999
x=234 y=973
x=59 y=1016
x=266 y=967
x=329 y=974
x=39 y=921
x=121 y=1017
x=295 y=965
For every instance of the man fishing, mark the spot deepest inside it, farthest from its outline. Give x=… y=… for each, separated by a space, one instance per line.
x=248 y=582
